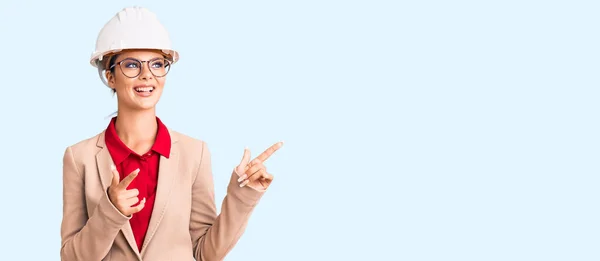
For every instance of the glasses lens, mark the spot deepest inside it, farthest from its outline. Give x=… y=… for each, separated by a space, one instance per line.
x=130 y=67
x=160 y=67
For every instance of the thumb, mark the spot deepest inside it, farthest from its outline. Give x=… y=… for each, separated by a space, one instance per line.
x=115 y=178
x=245 y=160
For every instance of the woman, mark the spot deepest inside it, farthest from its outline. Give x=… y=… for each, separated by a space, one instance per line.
x=139 y=190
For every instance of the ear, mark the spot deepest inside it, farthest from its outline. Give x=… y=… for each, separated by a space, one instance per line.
x=110 y=79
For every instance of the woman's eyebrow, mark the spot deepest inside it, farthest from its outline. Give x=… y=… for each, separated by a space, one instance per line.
x=136 y=58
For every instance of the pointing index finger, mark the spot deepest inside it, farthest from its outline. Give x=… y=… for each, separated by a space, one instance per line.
x=127 y=180
x=267 y=153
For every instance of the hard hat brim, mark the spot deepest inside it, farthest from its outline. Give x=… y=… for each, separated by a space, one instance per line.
x=96 y=59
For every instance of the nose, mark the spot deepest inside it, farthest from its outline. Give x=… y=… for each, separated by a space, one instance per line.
x=146 y=74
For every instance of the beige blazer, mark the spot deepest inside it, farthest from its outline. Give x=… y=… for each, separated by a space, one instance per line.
x=184 y=224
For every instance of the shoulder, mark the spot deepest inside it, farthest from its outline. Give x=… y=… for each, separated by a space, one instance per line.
x=188 y=143
x=83 y=150
x=86 y=145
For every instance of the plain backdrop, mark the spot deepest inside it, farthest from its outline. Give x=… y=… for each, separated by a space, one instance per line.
x=414 y=130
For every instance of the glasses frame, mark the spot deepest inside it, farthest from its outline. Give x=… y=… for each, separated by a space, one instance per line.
x=142 y=66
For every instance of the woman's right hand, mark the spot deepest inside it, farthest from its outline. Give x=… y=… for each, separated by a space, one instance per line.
x=122 y=198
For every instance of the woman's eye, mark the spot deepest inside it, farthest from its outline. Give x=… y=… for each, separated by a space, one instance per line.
x=131 y=65
x=157 y=65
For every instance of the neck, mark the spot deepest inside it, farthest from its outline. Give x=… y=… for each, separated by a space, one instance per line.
x=136 y=127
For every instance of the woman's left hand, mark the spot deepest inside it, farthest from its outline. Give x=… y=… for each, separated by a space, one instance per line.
x=254 y=173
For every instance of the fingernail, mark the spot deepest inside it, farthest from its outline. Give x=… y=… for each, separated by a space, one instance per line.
x=112 y=167
x=244 y=183
x=242 y=177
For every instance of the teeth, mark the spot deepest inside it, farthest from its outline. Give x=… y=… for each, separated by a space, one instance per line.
x=144 y=89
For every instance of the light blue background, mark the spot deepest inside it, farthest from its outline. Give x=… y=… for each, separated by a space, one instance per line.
x=414 y=130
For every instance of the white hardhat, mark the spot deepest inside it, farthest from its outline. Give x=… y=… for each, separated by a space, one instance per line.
x=131 y=28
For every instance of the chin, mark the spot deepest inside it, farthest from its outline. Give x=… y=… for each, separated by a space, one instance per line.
x=137 y=104
x=146 y=107
x=146 y=104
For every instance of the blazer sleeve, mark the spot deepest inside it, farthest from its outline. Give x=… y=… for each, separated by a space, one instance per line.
x=214 y=236
x=83 y=237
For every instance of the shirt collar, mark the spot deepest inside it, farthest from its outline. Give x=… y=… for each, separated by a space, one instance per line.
x=119 y=151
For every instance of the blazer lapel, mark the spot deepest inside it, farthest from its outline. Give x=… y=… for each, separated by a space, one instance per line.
x=104 y=162
x=167 y=170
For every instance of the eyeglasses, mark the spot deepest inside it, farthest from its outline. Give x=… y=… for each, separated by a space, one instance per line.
x=131 y=67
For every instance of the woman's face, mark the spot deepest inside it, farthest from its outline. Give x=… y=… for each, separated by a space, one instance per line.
x=136 y=78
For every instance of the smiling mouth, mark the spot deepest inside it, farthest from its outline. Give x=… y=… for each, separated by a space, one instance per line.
x=144 y=89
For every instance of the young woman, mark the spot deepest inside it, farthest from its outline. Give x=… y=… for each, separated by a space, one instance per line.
x=140 y=190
